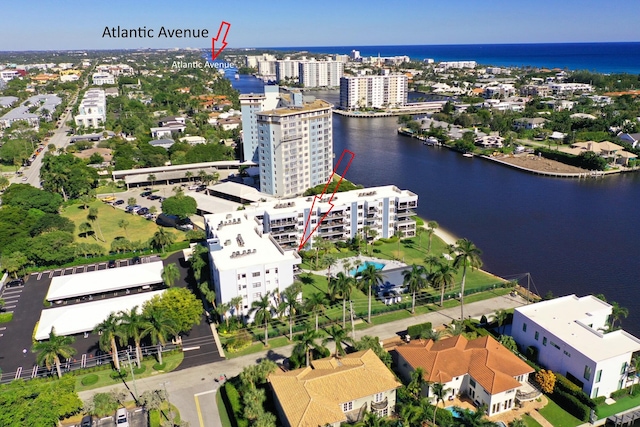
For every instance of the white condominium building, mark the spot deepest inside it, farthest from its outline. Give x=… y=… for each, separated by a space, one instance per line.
x=250 y=105
x=378 y=211
x=92 y=111
x=295 y=146
x=287 y=69
x=244 y=261
x=100 y=79
x=373 y=91
x=320 y=73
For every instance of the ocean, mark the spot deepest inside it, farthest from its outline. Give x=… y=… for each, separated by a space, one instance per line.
x=599 y=57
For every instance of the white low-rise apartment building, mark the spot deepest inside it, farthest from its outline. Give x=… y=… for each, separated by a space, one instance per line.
x=384 y=210
x=92 y=111
x=244 y=261
x=100 y=79
x=568 y=335
x=373 y=91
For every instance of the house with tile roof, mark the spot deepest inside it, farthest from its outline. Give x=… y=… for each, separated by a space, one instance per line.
x=334 y=390
x=482 y=369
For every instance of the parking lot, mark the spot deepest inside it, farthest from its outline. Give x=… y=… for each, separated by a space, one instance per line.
x=26 y=303
x=137 y=418
x=158 y=192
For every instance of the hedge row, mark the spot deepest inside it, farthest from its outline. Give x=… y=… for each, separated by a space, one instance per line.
x=232 y=399
x=417 y=331
x=633 y=391
x=566 y=386
x=583 y=162
x=473 y=327
x=571 y=404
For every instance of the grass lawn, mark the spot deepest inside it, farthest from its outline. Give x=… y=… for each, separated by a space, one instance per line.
x=256 y=347
x=157 y=416
x=172 y=361
x=222 y=410
x=530 y=422
x=108 y=219
x=558 y=416
x=622 y=404
x=102 y=190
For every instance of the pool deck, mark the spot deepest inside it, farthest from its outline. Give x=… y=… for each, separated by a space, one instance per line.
x=351 y=262
x=530 y=408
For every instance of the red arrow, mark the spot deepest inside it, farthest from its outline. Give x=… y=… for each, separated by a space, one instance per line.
x=223 y=26
x=304 y=240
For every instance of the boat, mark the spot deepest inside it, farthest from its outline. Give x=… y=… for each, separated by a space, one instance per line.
x=431 y=141
x=237 y=76
x=468 y=155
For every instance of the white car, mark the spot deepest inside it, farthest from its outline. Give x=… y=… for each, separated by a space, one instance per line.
x=122 y=418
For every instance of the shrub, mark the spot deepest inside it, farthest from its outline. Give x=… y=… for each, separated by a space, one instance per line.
x=90 y=379
x=241 y=340
x=572 y=405
x=546 y=380
x=416 y=331
x=159 y=366
x=119 y=375
x=377 y=243
x=140 y=370
x=6 y=317
x=46 y=303
x=565 y=385
x=233 y=400
x=599 y=400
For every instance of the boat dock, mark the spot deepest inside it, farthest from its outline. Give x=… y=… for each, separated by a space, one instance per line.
x=624 y=420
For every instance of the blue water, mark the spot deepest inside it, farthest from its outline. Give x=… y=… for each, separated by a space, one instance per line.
x=377 y=265
x=453 y=411
x=600 y=57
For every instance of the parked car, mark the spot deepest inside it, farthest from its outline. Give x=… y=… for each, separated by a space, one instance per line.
x=87 y=421
x=112 y=263
x=136 y=260
x=122 y=417
x=14 y=283
x=131 y=208
x=145 y=193
x=154 y=197
x=118 y=202
x=201 y=188
x=143 y=211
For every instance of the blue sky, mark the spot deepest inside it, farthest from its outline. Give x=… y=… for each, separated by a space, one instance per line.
x=74 y=24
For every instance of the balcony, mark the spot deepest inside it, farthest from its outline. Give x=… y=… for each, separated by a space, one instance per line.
x=283 y=223
x=406 y=212
x=407 y=205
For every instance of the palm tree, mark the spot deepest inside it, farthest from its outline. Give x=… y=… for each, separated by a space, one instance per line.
x=635 y=365
x=432 y=261
x=50 y=351
x=455 y=328
x=414 y=279
x=475 y=418
x=398 y=235
x=236 y=302
x=372 y=419
x=500 y=316
x=221 y=311
x=443 y=278
x=188 y=175
x=432 y=334
x=92 y=216
x=439 y=392
x=316 y=304
x=308 y=340
x=431 y=229
x=85 y=229
x=123 y=223
x=617 y=313
x=518 y=422
x=151 y=178
x=370 y=277
x=161 y=238
x=133 y=325
x=170 y=274
x=291 y=304
x=346 y=266
x=338 y=335
x=208 y=293
x=330 y=261
x=344 y=285
x=417 y=383
x=468 y=256
x=85 y=200
x=159 y=327
x=110 y=329
x=262 y=308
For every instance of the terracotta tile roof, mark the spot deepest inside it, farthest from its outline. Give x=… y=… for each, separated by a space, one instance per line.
x=485 y=359
x=311 y=397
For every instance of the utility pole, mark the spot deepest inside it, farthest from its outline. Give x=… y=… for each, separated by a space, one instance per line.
x=135 y=388
x=353 y=328
x=164 y=384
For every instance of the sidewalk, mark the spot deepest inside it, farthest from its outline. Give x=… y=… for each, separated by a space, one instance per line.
x=186 y=386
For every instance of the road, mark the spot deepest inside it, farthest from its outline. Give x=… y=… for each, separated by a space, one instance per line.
x=193 y=390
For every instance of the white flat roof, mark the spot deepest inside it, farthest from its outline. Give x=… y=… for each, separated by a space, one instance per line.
x=238 y=237
x=567 y=318
x=213 y=204
x=99 y=281
x=242 y=191
x=79 y=318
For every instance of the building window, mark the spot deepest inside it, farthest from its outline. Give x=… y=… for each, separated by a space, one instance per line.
x=257 y=295
x=347 y=406
x=378 y=397
x=524 y=327
x=257 y=284
x=256 y=274
x=472 y=383
x=587 y=372
x=595 y=391
x=624 y=368
x=598 y=377
x=536 y=335
x=544 y=340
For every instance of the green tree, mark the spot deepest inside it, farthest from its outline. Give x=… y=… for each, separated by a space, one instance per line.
x=14 y=262
x=180 y=205
x=123 y=223
x=131 y=201
x=133 y=325
x=151 y=178
x=49 y=352
x=170 y=274
x=415 y=280
x=85 y=200
x=455 y=328
x=181 y=306
x=253 y=400
x=617 y=313
x=160 y=327
x=338 y=335
x=4 y=182
x=344 y=285
x=307 y=340
x=500 y=317
x=369 y=277
x=468 y=256
x=291 y=304
x=161 y=239
x=108 y=330
x=373 y=343
x=92 y=216
x=417 y=383
x=262 y=310
x=316 y=304
x=431 y=228
x=439 y=392
x=442 y=278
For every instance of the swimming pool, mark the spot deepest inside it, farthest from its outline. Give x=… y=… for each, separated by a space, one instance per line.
x=453 y=411
x=377 y=265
